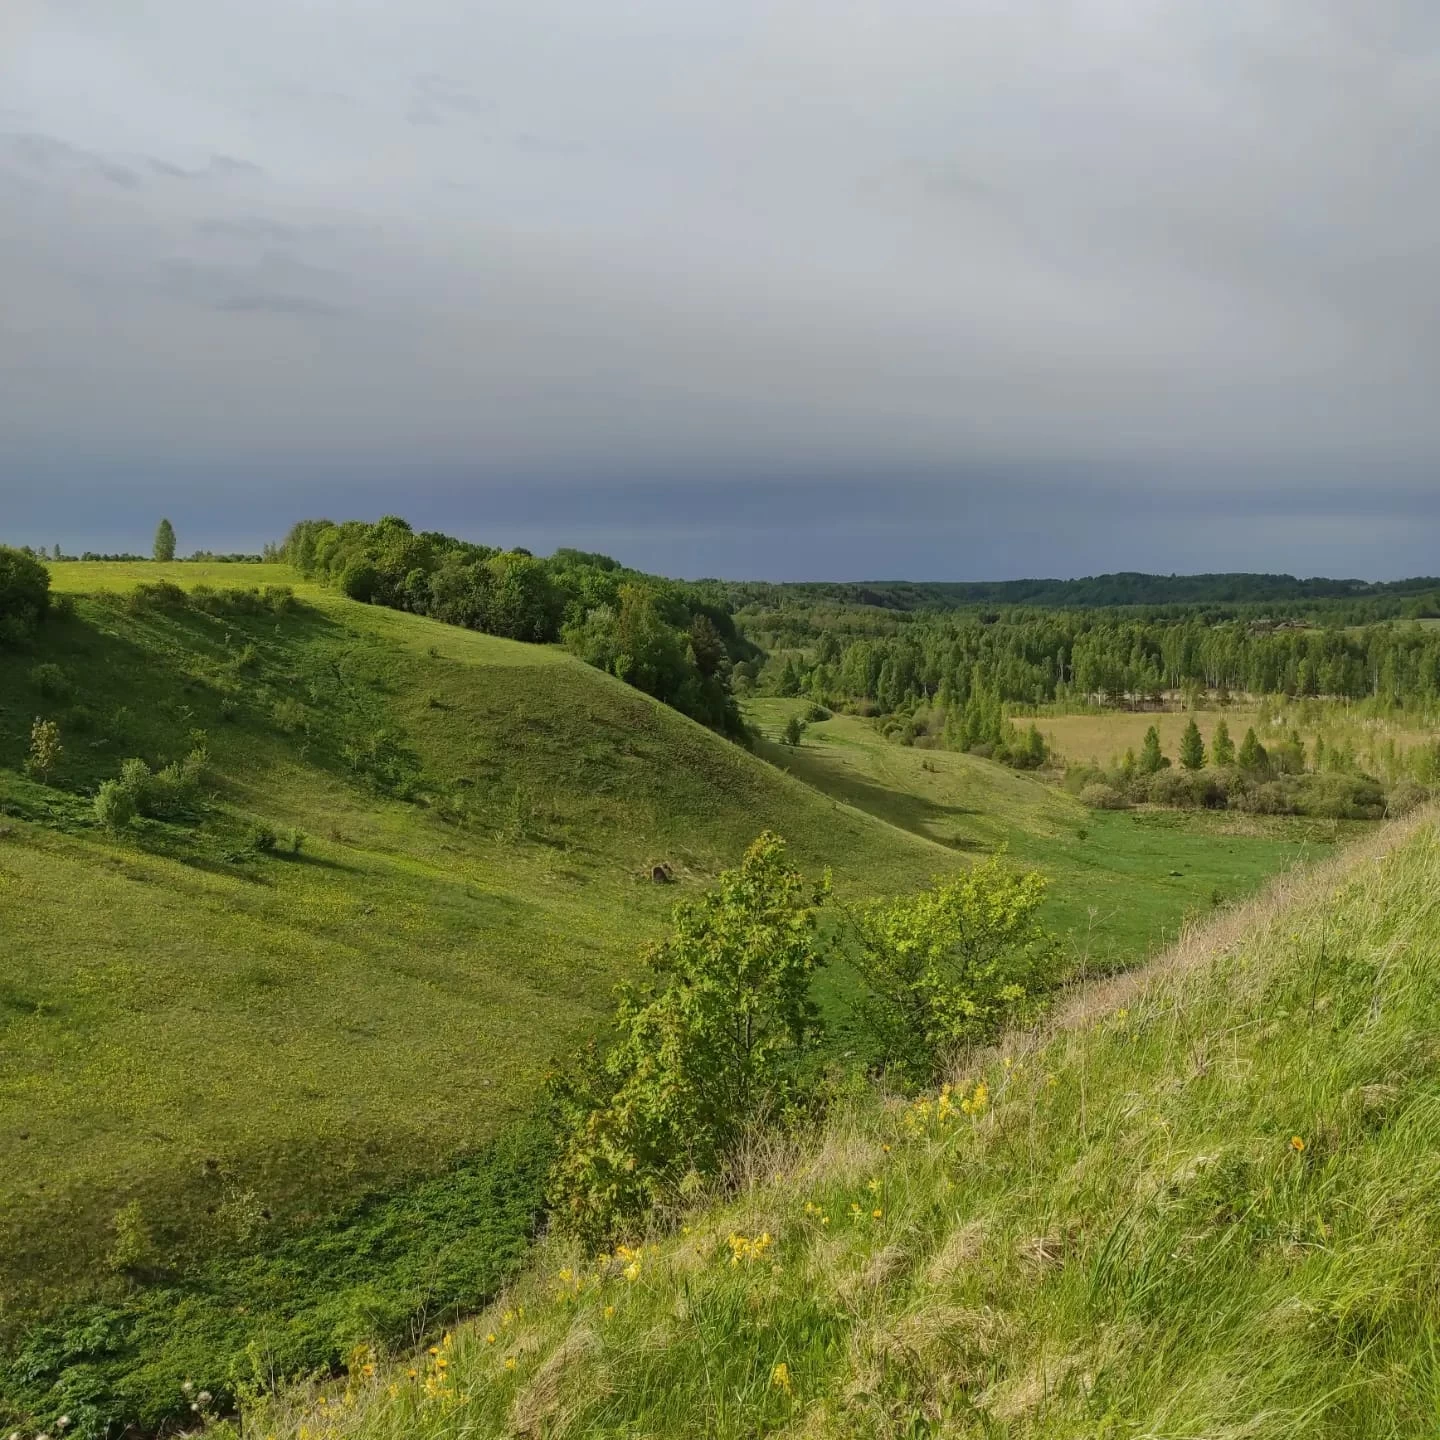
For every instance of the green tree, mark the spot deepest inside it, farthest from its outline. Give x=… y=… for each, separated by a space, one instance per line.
x=24 y=595
x=45 y=749
x=794 y=729
x=164 y=541
x=1192 y=747
x=1222 y=747
x=703 y=1056
x=948 y=966
x=789 y=678
x=1252 y=755
x=1152 y=758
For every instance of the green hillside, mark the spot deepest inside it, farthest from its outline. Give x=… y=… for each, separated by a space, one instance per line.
x=270 y=1064
x=240 y=1042
x=1203 y=1204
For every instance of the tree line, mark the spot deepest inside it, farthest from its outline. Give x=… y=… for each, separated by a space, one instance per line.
x=675 y=640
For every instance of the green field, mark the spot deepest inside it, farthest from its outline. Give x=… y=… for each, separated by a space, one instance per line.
x=1206 y=1204
x=246 y=1096
x=1121 y=883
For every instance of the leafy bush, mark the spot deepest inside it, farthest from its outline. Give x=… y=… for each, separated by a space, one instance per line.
x=360 y=581
x=289 y=715
x=1185 y=789
x=1406 y=796
x=794 y=731
x=1100 y=796
x=114 y=805
x=51 y=681
x=167 y=792
x=156 y=595
x=24 y=595
x=948 y=966
x=263 y=838
x=700 y=1059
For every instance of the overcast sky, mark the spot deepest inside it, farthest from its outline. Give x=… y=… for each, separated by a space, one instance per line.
x=773 y=289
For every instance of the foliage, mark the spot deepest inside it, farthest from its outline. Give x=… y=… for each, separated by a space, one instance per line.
x=51 y=681
x=1192 y=747
x=673 y=640
x=794 y=730
x=45 y=749
x=948 y=966
x=114 y=805
x=164 y=548
x=1252 y=757
x=24 y=595
x=1222 y=747
x=1151 y=757
x=701 y=1057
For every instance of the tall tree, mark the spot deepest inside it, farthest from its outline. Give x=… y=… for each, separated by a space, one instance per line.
x=1192 y=747
x=1222 y=747
x=1252 y=752
x=1151 y=756
x=165 y=541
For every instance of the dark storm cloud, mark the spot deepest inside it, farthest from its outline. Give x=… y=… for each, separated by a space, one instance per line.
x=755 y=285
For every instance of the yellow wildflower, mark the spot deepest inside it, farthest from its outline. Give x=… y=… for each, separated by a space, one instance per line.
x=609 y=1312
x=509 y=1362
x=1296 y=1143
x=780 y=1377
x=490 y=1338
x=877 y=1214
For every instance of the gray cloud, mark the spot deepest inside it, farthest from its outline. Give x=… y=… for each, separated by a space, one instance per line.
x=821 y=252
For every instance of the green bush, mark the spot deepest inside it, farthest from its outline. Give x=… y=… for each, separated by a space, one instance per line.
x=114 y=805
x=263 y=838
x=51 y=681
x=702 y=1058
x=156 y=595
x=1100 y=796
x=45 y=749
x=949 y=966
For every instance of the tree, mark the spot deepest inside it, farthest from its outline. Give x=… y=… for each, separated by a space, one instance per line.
x=24 y=595
x=45 y=749
x=165 y=541
x=789 y=678
x=1151 y=756
x=702 y=1057
x=794 y=729
x=1222 y=747
x=1252 y=753
x=1192 y=747
x=948 y=966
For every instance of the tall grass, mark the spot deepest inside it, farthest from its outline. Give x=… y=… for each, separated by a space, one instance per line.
x=1205 y=1203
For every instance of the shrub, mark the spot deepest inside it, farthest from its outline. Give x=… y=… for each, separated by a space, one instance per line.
x=114 y=805
x=51 y=681
x=949 y=966
x=289 y=715
x=794 y=729
x=1185 y=790
x=360 y=580
x=295 y=841
x=1099 y=796
x=263 y=838
x=702 y=1058
x=24 y=595
x=1406 y=796
x=157 y=595
x=816 y=714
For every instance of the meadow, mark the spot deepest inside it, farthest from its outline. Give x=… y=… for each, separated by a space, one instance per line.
x=1201 y=1202
x=271 y=1067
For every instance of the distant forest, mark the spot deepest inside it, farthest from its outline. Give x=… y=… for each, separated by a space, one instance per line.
x=1417 y=597
x=673 y=639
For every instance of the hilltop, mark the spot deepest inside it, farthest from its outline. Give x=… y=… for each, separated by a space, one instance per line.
x=1202 y=1202
x=421 y=859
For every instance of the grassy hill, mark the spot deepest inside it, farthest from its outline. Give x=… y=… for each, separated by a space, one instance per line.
x=1203 y=1203
x=212 y=1047
x=258 y=1105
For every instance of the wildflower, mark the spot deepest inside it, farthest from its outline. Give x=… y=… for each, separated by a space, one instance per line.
x=367 y=1369
x=885 y=1149
x=1296 y=1143
x=446 y=1340
x=490 y=1338
x=874 y=1187
x=824 y=1219
x=412 y=1372
x=509 y=1362
x=609 y=1312
x=854 y=1209
x=566 y=1276
x=877 y=1214
x=434 y=1350
x=632 y=1271
x=780 y=1377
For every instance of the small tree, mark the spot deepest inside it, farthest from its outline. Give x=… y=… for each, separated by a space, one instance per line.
x=1222 y=747
x=165 y=541
x=1192 y=747
x=1252 y=755
x=702 y=1057
x=1151 y=756
x=794 y=729
x=45 y=749
x=950 y=965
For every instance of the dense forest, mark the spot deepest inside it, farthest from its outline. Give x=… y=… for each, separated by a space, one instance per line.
x=675 y=640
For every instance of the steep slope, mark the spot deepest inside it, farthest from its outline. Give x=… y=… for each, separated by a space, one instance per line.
x=1204 y=1203
x=207 y=1045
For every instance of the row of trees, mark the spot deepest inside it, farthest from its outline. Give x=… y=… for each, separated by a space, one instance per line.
x=1078 y=657
x=676 y=641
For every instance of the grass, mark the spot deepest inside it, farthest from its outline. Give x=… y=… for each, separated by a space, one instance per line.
x=258 y=1107
x=1203 y=1202
x=1121 y=883
x=238 y=1047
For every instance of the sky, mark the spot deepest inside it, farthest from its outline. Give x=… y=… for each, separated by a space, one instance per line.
x=763 y=289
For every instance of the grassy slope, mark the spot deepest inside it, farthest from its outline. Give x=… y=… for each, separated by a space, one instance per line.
x=1121 y=882
x=1204 y=1205
x=216 y=1034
